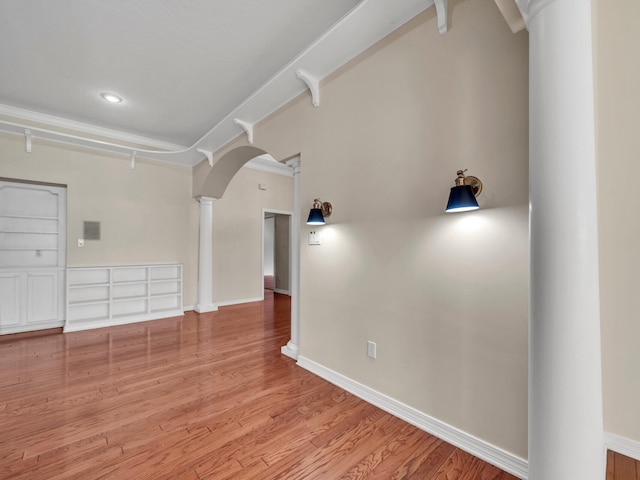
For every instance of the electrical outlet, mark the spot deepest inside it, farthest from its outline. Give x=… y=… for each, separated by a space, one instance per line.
x=371 y=349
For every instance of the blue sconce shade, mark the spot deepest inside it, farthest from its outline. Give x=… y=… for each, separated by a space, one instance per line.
x=463 y=196
x=318 y=212
x=462 y=199
x=315 y=217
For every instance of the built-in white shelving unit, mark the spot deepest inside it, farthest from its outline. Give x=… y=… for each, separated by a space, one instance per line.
x=32 y=256
x=105 y=296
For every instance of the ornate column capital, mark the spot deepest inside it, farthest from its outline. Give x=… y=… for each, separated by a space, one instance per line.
x=205 y=200
x=294 y=163
x=530 y=8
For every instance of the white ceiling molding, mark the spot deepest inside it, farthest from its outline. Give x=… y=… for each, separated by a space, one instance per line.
x=511 y=14
x=314 y=85
x=363 y=26
x=27 y=134
x=530 y=8
x=266 y=163
x=441 y=12
x=247 y=127
x=70 y=126
x=208 y=154
x=69 y=139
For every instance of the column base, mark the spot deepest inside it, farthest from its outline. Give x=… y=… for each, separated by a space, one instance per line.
x=291 y=350
x=210 y=307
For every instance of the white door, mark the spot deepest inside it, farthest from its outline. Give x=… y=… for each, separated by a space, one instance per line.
x=32 y=256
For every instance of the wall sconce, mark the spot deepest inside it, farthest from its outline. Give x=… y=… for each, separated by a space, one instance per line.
x=319 y=212
x=463 y=196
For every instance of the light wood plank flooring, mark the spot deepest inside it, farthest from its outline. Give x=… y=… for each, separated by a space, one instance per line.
x=201 y=397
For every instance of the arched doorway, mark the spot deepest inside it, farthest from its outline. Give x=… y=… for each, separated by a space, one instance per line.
x=212 y=189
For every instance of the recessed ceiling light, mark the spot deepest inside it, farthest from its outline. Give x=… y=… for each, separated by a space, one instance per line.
x=111 y=97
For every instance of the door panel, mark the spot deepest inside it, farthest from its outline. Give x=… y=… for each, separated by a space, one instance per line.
x=42 y=297
x=10 y=299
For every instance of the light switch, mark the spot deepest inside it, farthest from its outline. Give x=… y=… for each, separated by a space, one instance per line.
x=314 y=238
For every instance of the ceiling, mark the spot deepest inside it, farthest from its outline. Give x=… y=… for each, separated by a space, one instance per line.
x=189 y=72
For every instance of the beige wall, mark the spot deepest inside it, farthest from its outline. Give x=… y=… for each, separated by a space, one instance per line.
x=237 y=233
x=282 y=252
x=147 y=215
x=617 y=73
x=444 y=296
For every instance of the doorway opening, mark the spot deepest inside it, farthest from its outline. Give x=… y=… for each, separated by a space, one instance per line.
x=276 y=255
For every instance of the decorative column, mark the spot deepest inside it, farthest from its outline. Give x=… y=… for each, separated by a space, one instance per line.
x=205 y=263
x=292 y=348
x=565 y=387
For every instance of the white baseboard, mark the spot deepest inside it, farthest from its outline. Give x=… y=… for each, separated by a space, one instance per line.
x=283 y=292
x=226 y=303
x=187 y=308
x=77 y=326
x=623 y=445
x=30 y=327
x=489 y=453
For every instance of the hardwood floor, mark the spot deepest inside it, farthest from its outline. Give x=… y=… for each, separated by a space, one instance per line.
x=620 y=467
x=201 y=397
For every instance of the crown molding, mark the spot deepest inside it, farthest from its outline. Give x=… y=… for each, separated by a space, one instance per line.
x=85 y=128
x=186 y=157
x=267 y=163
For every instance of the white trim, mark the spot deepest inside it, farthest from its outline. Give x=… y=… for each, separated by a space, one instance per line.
x=186 y=158
x=205 y=307
x=31 y=327
x=313 y=83
x=188 y=308
x=489 y=453
x=277 y=212
x=267 y=163
x=283 y=292
x=205 y=301
x=226 y=303
x=292 y=348
x=290 y=351
x=247 y=127
x=623 y=445
x=530 y=8
x=80 y=127
x=442 y=15
x=113 y=322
